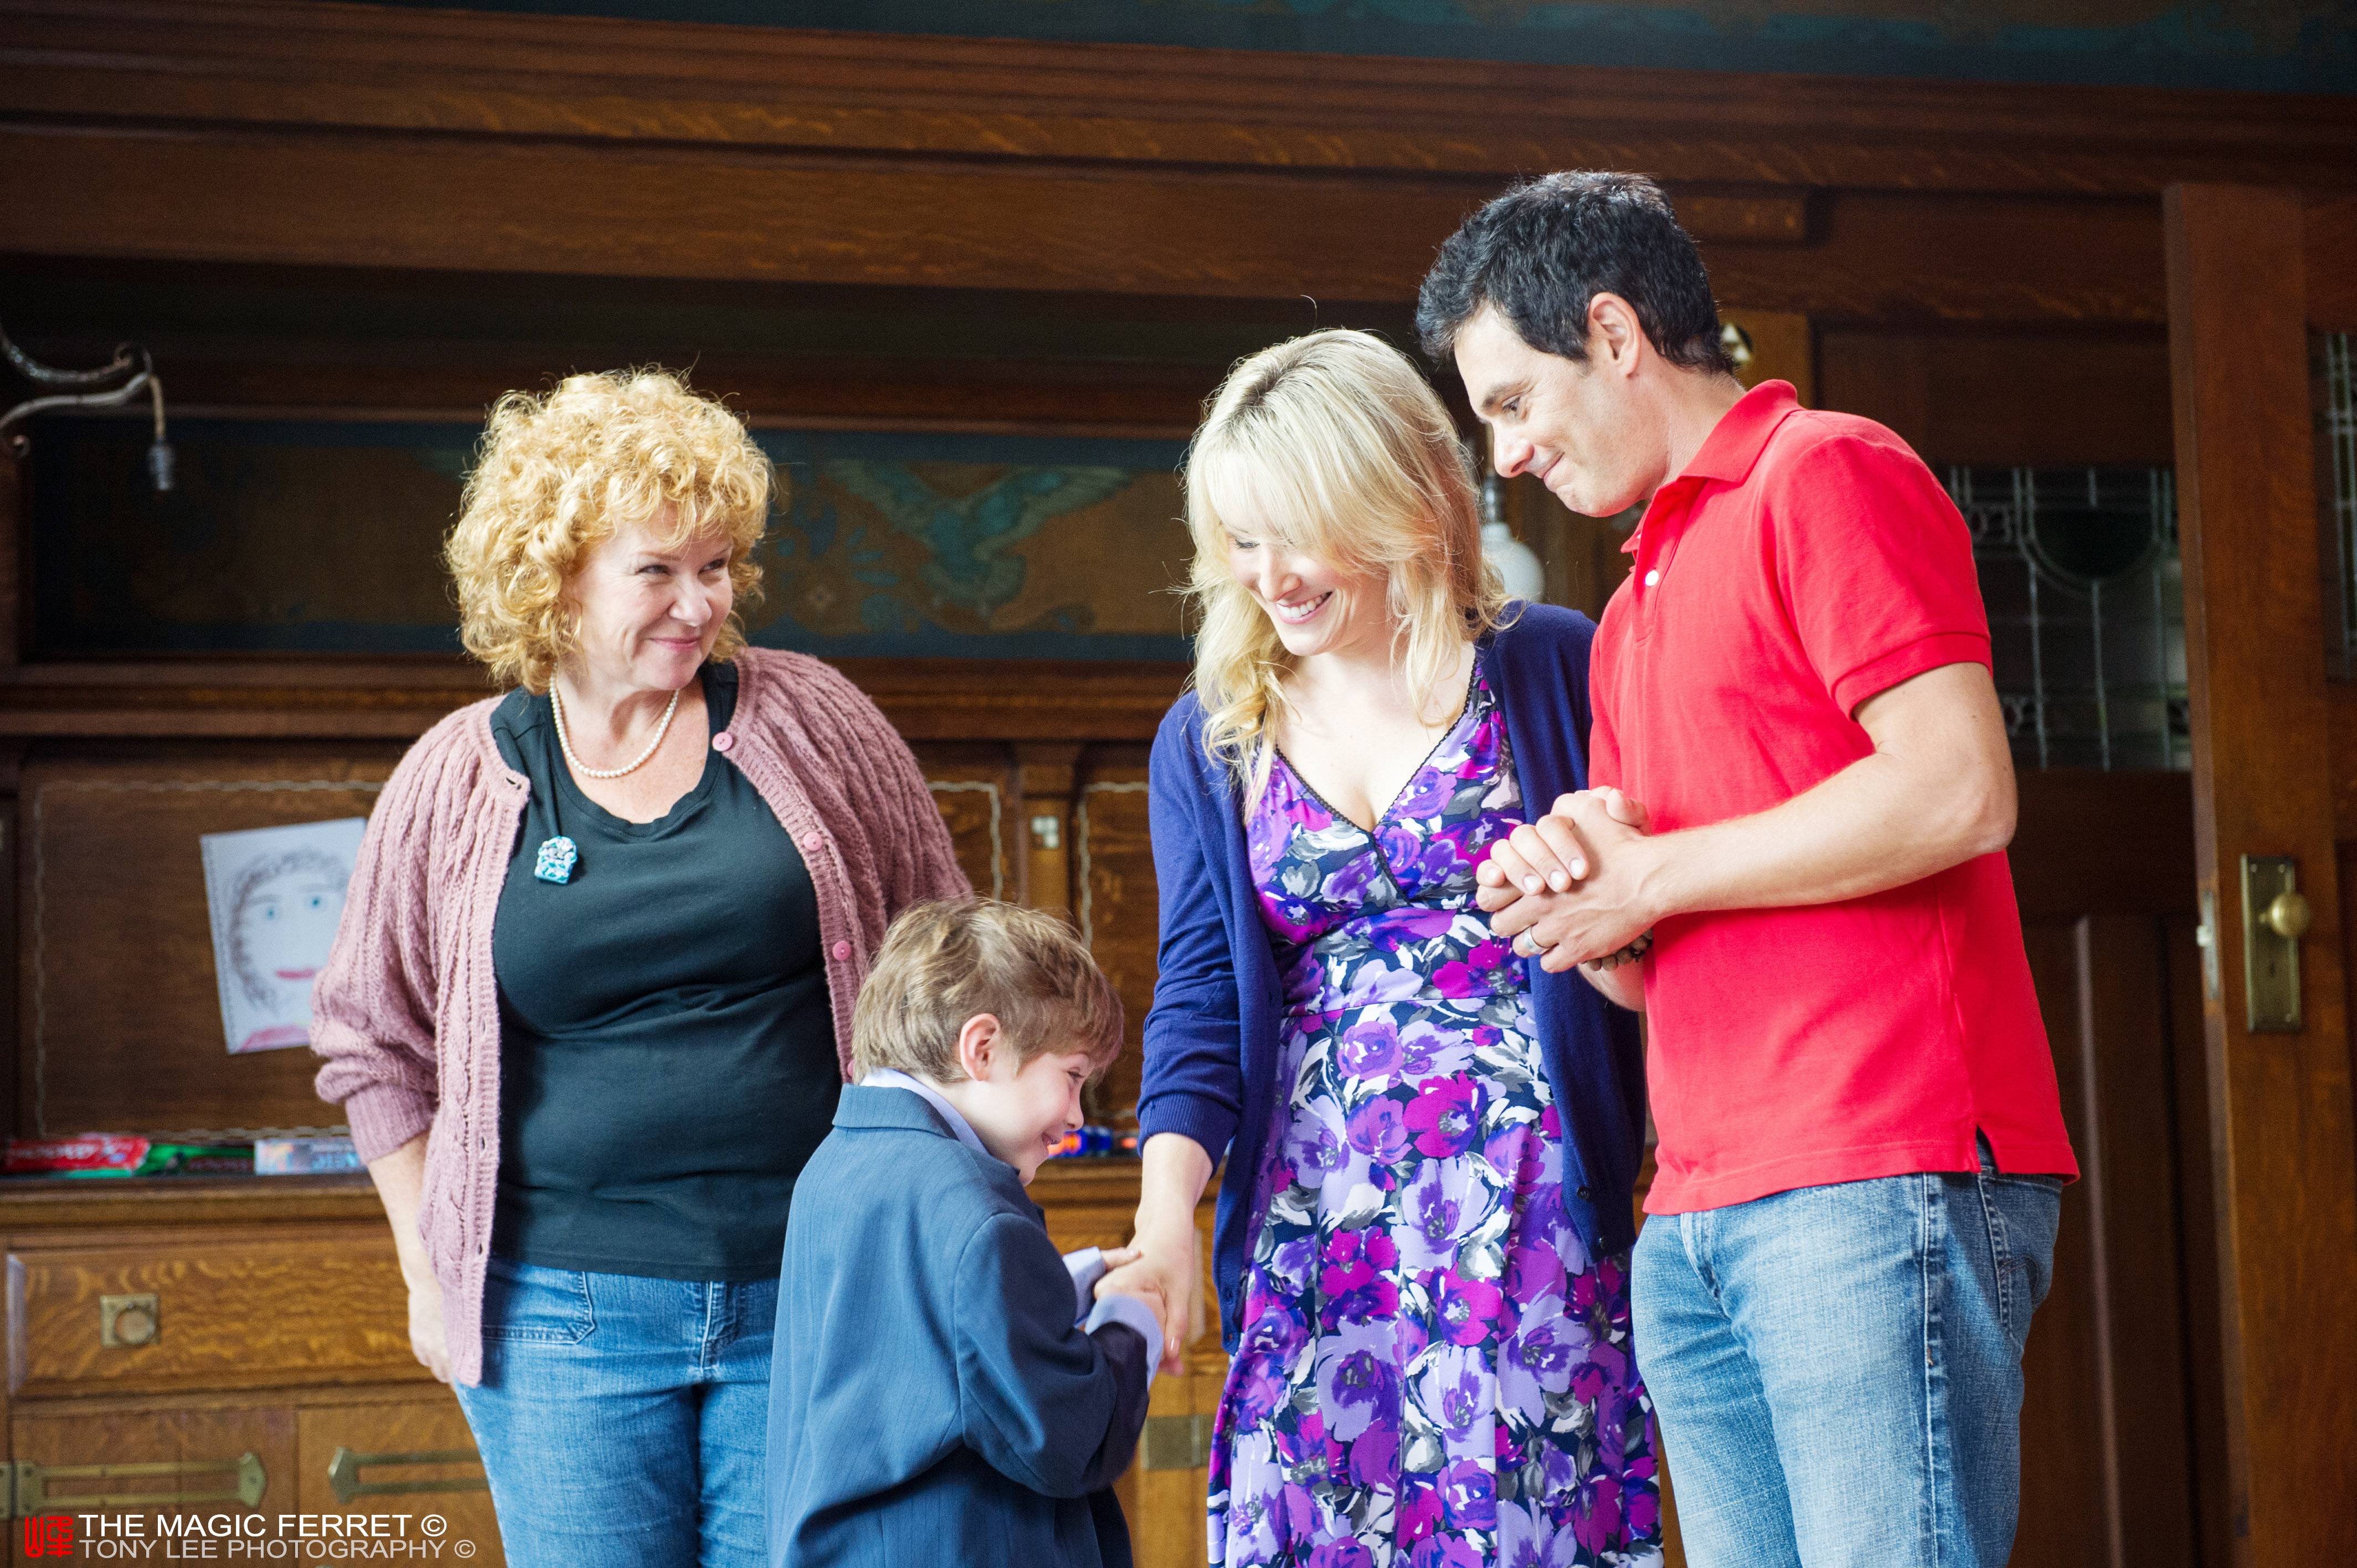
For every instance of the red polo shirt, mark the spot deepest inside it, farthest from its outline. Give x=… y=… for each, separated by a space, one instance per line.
x=1803 y=562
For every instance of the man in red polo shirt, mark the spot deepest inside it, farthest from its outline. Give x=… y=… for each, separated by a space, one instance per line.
x=1793 y=860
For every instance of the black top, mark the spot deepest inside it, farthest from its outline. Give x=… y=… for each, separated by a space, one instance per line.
x=667 y=1051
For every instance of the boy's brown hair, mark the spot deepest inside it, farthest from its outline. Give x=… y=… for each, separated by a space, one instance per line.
x=943 y=962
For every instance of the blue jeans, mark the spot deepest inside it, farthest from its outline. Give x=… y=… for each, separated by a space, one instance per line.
x=624 y=1420
x=1837 y=1369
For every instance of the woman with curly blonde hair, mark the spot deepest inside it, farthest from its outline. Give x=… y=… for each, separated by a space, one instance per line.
x=590 y=1008
x=1421 y=1247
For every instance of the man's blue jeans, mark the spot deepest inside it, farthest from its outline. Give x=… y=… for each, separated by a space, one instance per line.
x=623 y=1421
x=1837 y=1369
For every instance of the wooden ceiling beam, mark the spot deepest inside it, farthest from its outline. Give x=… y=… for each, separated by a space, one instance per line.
x=317 y=66
x=339 y=198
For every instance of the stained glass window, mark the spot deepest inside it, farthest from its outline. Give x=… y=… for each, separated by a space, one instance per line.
x=2079 y=568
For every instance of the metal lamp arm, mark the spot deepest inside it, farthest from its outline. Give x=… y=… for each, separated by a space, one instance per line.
x=129 y=358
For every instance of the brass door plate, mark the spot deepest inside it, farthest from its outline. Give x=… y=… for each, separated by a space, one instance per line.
x=127 y=1322
x=2270 y=959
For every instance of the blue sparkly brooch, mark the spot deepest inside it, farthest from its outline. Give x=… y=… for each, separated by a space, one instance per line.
x=558 y=856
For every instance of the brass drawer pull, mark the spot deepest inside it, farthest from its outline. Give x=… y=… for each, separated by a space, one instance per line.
x=127 y=1322
x=1175 y=1443
x=28 y=1485
x=344 y=1468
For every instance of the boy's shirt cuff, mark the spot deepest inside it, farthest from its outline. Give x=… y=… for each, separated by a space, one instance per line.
x=1086 y=1266
x=1134 y=1314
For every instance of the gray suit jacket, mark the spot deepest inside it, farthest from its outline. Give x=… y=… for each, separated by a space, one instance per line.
x=931 y=1400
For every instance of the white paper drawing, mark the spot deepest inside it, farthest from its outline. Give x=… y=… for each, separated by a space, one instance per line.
x=275 y=895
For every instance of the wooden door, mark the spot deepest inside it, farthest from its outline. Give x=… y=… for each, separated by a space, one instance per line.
x=2115 y=1407
x=2251 y=274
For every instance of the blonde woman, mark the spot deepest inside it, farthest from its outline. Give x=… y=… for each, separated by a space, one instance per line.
x=590 y=1008
x=1421 y=1249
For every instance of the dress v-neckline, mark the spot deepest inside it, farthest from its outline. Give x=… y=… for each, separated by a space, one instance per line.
x=1472 y=682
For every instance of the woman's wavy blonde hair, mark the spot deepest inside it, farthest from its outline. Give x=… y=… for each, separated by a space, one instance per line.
x=558 y=472
x=1335 y=444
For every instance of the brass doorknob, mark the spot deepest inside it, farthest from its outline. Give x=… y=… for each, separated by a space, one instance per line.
x=2288 y=916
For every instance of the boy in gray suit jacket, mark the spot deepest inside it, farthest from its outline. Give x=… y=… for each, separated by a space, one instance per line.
x=945 y=1387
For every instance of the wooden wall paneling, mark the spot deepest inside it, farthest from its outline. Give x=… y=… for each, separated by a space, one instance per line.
x=1928 y=258
x=2015 y=398
x=1117 y=904
x=2134 y=1188
x=957 y=701
x=2103 y=867
x=2069 y=1504
x=2281 y=1109
x=120 y=1013
x=429 y=1422
x=2328 y=230
x=2101 y=843
x=320 y=199
x=1045 y=774
x=2197 y=1248
x=683 y=84
x=1784 y=349
x=391 y=700
x=325 y=199
x=1016 y=700
x=973 y=784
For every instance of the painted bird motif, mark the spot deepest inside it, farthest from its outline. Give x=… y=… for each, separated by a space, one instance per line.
x=968 y=537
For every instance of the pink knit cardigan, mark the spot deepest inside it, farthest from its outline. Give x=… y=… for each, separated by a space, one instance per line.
x=407 y=1011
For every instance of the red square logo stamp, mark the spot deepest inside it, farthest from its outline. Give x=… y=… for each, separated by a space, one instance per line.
x=50 y=1535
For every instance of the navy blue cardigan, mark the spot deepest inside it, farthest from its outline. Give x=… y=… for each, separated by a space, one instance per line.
x=1211 y=1040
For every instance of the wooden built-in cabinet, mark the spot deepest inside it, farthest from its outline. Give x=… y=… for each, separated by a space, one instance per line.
x=264 y=1371
x=274 y=1376
x=266 y=1353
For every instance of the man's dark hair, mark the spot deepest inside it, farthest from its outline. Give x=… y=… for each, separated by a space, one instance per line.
x=1542 y=252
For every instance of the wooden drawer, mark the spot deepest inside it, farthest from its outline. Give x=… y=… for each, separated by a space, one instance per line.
x=204 y=1439
x=381 y=1442
x=235 y=1308
x=289 y=1444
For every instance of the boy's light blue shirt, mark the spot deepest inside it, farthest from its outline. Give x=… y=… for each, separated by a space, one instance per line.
x=1086 y=1266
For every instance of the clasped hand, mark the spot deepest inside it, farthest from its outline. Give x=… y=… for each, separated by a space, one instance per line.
x=1570 y=887
x=1130 y=1271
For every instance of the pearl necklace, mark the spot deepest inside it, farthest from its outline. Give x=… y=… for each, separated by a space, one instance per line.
x=565 y=743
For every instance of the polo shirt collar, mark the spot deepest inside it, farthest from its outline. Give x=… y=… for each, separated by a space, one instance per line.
x=1735 y=443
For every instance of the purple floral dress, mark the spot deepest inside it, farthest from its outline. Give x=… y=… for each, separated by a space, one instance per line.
x=1432 y=1371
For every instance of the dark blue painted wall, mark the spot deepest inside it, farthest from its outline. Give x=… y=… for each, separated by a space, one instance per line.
x=2272 y=46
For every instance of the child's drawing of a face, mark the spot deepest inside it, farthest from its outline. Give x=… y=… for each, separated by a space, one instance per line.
x=283 y=923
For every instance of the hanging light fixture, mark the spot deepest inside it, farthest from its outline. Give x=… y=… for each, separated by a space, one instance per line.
x=1518 y=564
x=130 y=360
